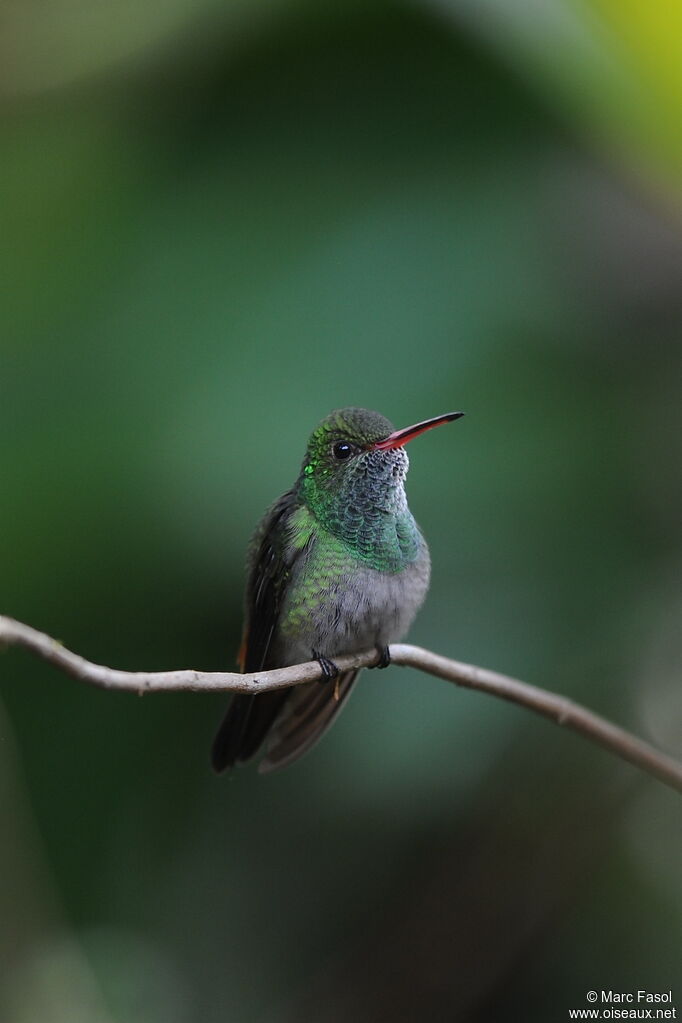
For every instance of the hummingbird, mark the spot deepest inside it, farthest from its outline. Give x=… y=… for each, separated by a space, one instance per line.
x=336 y=566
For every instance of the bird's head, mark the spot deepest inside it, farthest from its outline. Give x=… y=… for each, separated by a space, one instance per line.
x=356 y=464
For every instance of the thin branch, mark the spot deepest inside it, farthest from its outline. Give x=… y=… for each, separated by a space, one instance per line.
x=557 y=708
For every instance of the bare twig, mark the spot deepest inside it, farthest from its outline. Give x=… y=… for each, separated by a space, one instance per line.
x=557 y=708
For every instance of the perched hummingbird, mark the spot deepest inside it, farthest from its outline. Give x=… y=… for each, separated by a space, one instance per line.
x=337 y=566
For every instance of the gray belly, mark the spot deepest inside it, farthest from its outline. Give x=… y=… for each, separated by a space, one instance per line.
x=360 y=610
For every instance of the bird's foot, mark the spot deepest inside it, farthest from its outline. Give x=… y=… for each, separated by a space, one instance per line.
x=384 y=657
x=329 y=672
x=329 y=669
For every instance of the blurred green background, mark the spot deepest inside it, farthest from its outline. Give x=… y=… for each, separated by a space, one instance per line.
x=219 y=221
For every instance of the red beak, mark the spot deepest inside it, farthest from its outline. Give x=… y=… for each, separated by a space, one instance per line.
x=401 y=437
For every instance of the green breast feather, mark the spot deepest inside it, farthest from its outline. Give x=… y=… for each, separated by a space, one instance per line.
x=330 y=557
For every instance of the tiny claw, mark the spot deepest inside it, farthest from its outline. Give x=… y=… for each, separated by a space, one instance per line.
x=329 y=669
x=384 y=657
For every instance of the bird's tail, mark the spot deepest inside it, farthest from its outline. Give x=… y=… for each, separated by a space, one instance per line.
x=308 y=713
x=292 y=720
x=244 y=727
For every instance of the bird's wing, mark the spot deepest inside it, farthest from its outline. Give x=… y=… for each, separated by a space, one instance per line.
x=271 y=555
x=294 y=717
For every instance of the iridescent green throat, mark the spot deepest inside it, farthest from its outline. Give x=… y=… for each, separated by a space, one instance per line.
x=373 y=522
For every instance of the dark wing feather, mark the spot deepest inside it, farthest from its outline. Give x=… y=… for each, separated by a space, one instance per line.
x=295 y=717
x=249 y=718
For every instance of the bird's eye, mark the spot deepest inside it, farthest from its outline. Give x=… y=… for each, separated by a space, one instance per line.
x=342 y=450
